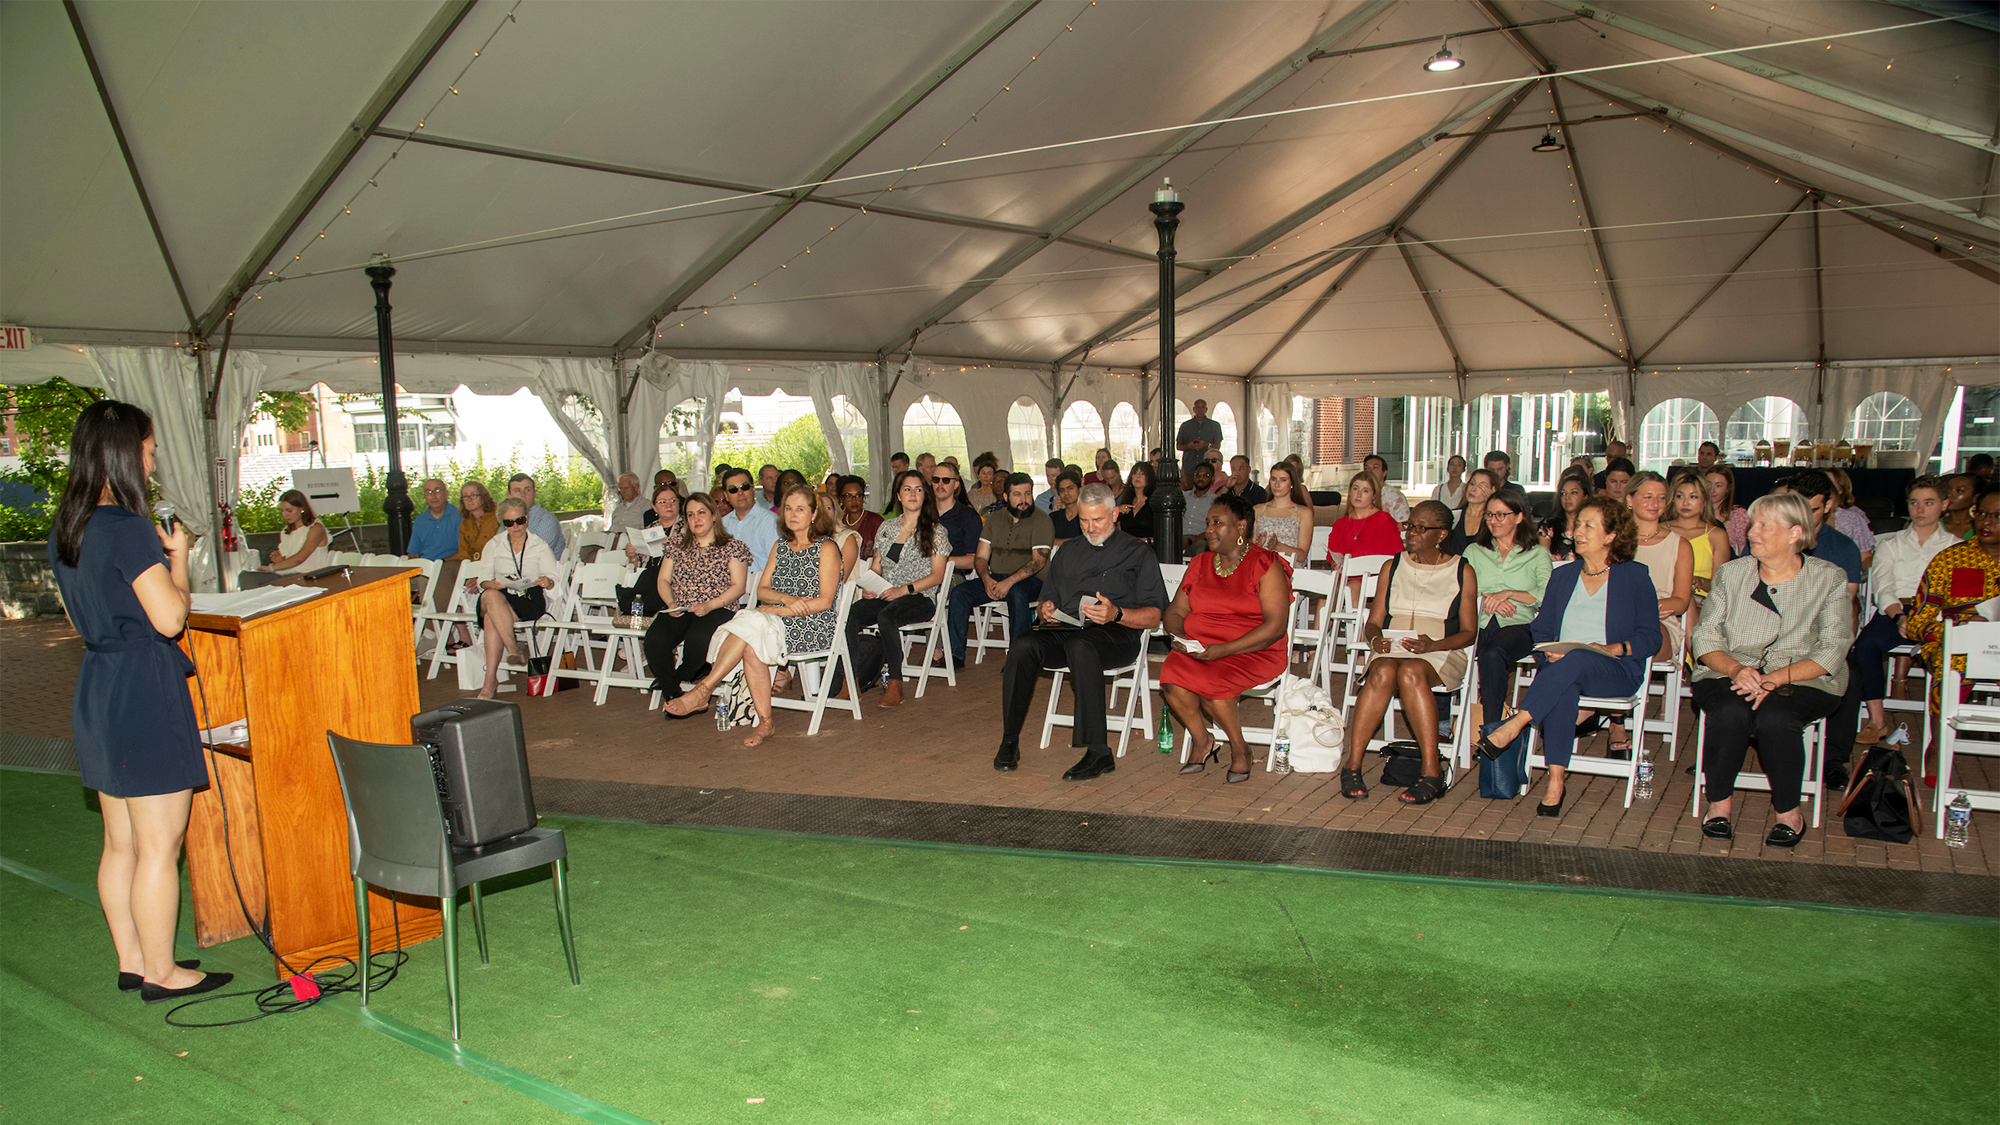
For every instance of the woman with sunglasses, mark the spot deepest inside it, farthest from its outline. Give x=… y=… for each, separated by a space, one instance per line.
x=1513 y=571
x=1604 y=604
x=515 y=573
x=1430 y=599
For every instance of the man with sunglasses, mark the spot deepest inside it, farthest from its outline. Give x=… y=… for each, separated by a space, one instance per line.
x=749 y=520
x=960 y=522
x=541 y=521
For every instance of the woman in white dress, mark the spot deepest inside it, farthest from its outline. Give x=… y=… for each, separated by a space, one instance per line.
x=1452 y=492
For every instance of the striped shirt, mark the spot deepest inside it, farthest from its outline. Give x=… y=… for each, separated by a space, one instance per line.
x=1814 y=621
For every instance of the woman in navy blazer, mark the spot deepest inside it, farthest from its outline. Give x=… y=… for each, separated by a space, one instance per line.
x=1606 y=600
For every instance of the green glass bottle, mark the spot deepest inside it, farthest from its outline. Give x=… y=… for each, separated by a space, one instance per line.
x=1166 y=730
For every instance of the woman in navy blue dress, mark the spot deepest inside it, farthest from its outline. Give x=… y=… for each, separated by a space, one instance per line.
x=124 y=583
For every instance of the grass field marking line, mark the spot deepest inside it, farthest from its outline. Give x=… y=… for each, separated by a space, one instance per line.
x=1317 y=976
x=470 y=1061
x=1615 y=935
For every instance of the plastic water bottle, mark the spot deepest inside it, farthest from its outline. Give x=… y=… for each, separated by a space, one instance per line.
x=1644 y=789
x=1898 y=737
x=721 y=705
x=1166 y=733
x=1957 y=820
x=1281 y=755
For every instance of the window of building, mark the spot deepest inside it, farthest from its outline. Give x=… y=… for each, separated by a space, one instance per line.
x=1027 y=437
x=1226 y=418
x=1302 y=426
x=1081 y=433
x=1886 y=419
x=1673 y=431
x=1768 y=419
x=680 y=444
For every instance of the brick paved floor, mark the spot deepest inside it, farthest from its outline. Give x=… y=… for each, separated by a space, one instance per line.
x=940 y=748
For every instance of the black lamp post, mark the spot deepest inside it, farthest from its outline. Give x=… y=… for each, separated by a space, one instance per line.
x=1169 y=506
x=397 y=506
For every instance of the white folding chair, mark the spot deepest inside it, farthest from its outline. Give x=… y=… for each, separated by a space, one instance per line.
x=929 y=637
x=461 y=609
x=1811 y=786
x=1665 y=679
x=1633 y=707
x=1134 y=680
x=989 y=627
x=421 y=612
x=1353 y=592
x=817 y=669
x=1979 y=644
x=1312 y=608
x=1316 y=550
x=1254 y=736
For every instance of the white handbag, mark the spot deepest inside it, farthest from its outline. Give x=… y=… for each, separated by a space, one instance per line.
x=1314 y=726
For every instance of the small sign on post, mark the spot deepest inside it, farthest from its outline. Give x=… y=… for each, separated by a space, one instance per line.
x=330 y=490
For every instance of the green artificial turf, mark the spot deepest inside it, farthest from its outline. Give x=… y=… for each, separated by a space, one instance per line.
x=864 y=982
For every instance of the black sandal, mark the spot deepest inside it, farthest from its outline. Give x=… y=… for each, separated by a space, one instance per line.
x=1351 y=785
x=1426 y=790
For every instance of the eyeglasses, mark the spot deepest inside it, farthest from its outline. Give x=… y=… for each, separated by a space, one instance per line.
x=1501 y=513
x=1415 y=526
x=944 y=480
x=514 y=523
x=735 y=488
x=428 y=490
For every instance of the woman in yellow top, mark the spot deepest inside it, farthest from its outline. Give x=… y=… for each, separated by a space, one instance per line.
x=1694 y=520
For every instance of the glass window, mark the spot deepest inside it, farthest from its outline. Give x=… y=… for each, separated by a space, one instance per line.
x=1674 y=430
x=1081 y=434
x=933 y=427
x=1768 y=419
x=1027 y=437
x=1302 y=427
x=1887 y=419
x=1128 y=438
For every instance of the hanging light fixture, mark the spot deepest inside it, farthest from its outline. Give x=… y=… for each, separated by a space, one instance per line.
x=1444 y=60
x=1549 y=143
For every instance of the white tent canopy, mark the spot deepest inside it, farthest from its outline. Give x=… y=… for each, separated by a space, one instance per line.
x=859 y=199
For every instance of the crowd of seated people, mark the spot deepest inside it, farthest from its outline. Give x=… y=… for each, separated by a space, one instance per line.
x=1761 y=602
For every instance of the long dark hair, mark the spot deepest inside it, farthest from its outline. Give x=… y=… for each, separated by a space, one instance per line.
x=1131 y=494
x=927 y=516
x=1513 y=504
x=107 y=447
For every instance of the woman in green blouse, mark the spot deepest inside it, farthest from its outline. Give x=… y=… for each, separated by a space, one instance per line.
x=1513 y=570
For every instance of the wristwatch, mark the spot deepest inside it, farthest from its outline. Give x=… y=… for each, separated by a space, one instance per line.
x=1120 y=619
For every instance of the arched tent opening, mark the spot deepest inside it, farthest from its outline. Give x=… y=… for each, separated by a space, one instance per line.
x=1770 y=418
x=1027 y=437
x=1674 y=430
x=1886 y=421
x=682 y=444
x=1226 y=418
x=776 y=429
x=933 y=426
x=1267 y=430
x=1081 y=433
x=1127 y=438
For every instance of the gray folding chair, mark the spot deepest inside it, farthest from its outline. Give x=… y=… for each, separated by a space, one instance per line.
x=396 y=840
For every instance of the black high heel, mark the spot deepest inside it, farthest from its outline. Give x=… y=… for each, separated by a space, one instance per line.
x=1555 y=809
x=1197 y=767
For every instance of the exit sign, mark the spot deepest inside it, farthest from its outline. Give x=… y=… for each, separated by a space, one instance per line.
x=13 y=339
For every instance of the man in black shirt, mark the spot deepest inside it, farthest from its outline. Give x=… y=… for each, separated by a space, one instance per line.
x=961 y=523
x=1123 y=576
x=1240 y=483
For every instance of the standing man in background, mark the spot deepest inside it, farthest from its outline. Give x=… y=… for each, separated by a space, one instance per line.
x=1197 y=436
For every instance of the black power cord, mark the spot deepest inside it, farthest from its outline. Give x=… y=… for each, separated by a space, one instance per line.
x=281 y=998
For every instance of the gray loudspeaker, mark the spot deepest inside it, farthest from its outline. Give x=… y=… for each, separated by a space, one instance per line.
x=480 y=759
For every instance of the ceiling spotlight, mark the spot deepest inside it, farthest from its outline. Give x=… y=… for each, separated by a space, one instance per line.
x=1549 y=143
x=1444 y=60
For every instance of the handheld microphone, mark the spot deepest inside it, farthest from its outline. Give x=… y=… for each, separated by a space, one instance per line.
x=165 y=513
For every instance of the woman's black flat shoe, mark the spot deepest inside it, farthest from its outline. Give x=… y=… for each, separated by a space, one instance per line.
x=1784 y=836
x=1718 y=828
x=153 y=994
x=130 y=982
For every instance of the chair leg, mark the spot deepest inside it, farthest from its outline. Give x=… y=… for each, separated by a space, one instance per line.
x=479 y=921
x=1049 y=715
x=361 y=932
x=560 y=870
x=449 y=910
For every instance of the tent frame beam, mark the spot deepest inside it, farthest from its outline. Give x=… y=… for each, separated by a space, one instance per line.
x=1298 y=218
x=1817 y=163
x=891 y=210
x=394 y=85
x=1366 y=244
x=1731 y=272
x=1326 y=296
x=125 y=150
x=1530 y=305
x=722 y=256
x=1437 y=318
x=1142 y=171
x=1819 y=88
x=1681 y=125
x=1618 y=320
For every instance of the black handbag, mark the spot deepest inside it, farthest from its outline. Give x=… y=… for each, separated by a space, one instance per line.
x=1877 y=803
x=1402 y=764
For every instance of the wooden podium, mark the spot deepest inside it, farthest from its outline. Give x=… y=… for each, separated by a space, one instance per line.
x=342 y=661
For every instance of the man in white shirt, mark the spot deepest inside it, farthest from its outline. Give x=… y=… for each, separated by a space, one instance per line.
x=1047 y=500
x=749 y=520
x=627 y=513
x=1894 y=581
x=1393 y=501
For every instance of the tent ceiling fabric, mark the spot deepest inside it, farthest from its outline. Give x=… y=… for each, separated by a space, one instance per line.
x=230 y=108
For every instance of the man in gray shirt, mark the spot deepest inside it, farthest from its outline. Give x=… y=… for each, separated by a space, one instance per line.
x=1200 y=498
x=541 y=521
x=1197 y=436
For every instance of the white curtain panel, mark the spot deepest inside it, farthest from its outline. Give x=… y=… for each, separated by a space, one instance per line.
x=556 y=379
x=706 y=380
x=165 y=384
x=241 y=381
x=1929 y=387
x=1277 y=398
x=856 y=382
x=644 y=414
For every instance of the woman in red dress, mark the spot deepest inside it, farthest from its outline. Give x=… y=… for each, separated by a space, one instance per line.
x=1233 y=606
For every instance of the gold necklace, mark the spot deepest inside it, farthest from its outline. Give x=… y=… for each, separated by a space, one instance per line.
x=1240 y=556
